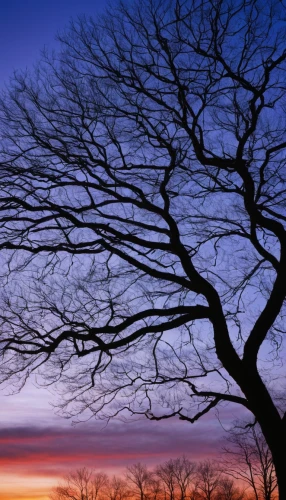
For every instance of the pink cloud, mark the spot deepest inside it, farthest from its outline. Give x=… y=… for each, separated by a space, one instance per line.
x=38 y=447
x=50 y=450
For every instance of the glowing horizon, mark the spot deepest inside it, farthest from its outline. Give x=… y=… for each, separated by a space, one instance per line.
x=37 y=448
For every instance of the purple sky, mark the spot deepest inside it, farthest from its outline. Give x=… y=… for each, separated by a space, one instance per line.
x=37 y=447
x=26 y=26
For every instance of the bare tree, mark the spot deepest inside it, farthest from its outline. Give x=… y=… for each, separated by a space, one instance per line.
x=208 y=479
x=248 y=458
x=194 y=493
x=82 y=484
x=99 y=482
x=227 y=490
x=183 y=471
x=177 y=475
x=207 y=482
x=143 y=213
x=165 y=472
x=139 y=477
x=117 y=489
x=155 y=489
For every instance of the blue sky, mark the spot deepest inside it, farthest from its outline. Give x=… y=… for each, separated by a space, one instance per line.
x=26 y=26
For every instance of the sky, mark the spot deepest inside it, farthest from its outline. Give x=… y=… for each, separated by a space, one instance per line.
x=27 y=26
x=37 y=447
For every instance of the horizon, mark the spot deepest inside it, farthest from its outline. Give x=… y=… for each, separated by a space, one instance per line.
x=38 y=448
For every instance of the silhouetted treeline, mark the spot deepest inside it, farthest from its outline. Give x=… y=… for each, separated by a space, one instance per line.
x=175 y=479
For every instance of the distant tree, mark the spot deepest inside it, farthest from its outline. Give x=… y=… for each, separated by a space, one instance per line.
x=184 y=472
x=208 y=479
x=82 y=484
x=117 y=489
x=155 y=489
x=142 y=213
x=228 y=490
x=248 y=458
x=194 y=494
x=165 y=472
x=139 y=477
x=99 y=482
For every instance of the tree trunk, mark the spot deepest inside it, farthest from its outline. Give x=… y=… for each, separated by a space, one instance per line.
x=270 y=421
x=279 y=460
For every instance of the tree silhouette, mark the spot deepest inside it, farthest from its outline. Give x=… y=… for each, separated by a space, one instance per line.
x=229 y=491
x=248 y=457
x=202 y=481
x=82 y=484
x=176 y=475
x=139 y=478
x=143 y=213
x=208 y=480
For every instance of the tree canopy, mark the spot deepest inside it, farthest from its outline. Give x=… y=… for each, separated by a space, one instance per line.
x=143 y=213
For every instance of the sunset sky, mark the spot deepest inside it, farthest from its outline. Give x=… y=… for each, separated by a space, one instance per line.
x=36 y=446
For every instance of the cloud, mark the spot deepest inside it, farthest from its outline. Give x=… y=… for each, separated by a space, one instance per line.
x=52 y=450
x=44 y=447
